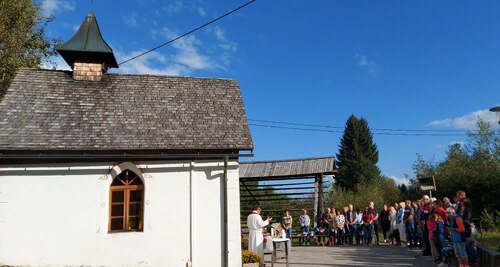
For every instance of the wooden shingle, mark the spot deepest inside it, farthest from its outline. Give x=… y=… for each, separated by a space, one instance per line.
x=48 y=110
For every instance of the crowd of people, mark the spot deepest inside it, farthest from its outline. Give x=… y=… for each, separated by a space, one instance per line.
x=438 y=226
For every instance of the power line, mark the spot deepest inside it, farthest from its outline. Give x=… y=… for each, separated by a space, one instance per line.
x=342 y=127
x=341 y=131
x=189 y=32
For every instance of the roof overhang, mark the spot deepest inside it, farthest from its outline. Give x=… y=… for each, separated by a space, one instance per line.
x=287 y=169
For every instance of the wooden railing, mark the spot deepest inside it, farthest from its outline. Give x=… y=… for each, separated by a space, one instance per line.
x=487 y=256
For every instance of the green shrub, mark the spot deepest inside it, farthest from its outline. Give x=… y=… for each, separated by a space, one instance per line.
x=248 y=256
x=491 y=220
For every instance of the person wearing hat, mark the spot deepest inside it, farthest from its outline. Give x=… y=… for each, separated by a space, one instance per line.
x=457 y=230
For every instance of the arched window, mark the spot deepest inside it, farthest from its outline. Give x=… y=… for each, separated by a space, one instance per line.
x=126 y=202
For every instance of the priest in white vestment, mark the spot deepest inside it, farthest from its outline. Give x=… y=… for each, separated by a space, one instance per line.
x=256 y=237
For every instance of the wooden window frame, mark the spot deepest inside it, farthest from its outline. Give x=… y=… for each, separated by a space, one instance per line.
x=126 y=189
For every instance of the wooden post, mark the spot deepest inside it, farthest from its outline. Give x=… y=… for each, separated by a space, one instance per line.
x=318 y=198
x=320 y=195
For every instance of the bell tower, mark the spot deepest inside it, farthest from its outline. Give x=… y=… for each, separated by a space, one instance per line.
x=87 y=53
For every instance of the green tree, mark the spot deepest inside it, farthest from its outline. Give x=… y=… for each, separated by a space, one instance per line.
x=358 y=155
x=381 y=191
x=22 y=40
x=473 y=167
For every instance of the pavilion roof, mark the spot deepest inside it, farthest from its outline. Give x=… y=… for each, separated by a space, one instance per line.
x=288 y=168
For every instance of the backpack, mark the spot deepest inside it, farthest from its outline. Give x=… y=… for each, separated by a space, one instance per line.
x=454 y=225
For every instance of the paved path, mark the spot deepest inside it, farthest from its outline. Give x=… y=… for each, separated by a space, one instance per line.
x=383 y=255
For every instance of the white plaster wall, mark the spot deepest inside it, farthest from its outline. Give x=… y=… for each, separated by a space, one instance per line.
x=55 y=216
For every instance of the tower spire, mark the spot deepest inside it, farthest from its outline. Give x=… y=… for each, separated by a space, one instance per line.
x=88 y=46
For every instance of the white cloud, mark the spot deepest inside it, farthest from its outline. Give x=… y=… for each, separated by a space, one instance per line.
x=188 y=52
x=55 y=62
x=219 y=33
x=400 y=181
x=363 y=62
x=179 y=6
x=130 y=20
x=52 y=6
x=174 y=7
x=151 y=63
x=225 y=44
x=467 y=121
x=201 y=11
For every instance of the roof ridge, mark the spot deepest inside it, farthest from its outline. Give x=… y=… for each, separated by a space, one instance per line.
x=283 y=160
x=134 y=74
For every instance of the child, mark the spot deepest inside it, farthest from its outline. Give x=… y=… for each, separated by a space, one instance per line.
x=438 y=235
x=320 y=232
x=457 y=230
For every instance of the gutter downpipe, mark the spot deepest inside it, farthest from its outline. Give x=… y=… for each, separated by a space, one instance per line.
x=226 y=209
x=191 y=214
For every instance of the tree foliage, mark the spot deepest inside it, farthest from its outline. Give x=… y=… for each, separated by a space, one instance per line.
x=473 y=167
x=381 y=191
x=22 y=40
x=358 y=155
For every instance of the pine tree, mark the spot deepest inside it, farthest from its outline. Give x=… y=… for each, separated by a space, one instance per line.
x=358 y=155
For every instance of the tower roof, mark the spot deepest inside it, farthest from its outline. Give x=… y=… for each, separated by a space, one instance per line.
x=87 y=45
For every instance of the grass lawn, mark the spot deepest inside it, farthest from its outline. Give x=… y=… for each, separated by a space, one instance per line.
x=490 y=239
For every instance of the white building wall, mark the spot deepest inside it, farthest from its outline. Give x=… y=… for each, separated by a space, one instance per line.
x=58 y=216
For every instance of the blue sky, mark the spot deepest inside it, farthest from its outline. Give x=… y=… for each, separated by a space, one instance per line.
x=432 y=65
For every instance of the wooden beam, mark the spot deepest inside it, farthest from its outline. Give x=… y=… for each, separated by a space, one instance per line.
x=256 y=201
x=284 y=184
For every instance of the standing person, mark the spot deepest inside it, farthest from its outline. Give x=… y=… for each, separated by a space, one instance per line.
x=409 y=215
x=339 y=223
x=305 y=223
x=470 y=242
x=367 y=226
x=331 y=228
x=431 y=225
x=439 y=236
x=286 y=223
x=418 y=226
x=400 y=222
x=459 y=196
x=256 y=237
x=346 y=226
x=385 y=222
x=399 y=226
x=350 y=218
x=441 y=211
x=392 y=224
x=457 y=230
x=424 y=216
x=359 y=226
x=446 y=203
x=375 y=220
x=325 y=223
x=324 y=215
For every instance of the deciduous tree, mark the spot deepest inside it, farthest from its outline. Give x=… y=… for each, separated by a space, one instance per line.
x=22 y=40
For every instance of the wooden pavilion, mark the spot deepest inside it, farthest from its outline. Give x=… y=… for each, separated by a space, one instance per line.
x=293 y=184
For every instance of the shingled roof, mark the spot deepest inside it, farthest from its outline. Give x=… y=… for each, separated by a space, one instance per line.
x=287 y=168
x=46 y=110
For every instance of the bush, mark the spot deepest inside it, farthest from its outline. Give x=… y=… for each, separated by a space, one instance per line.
x=491 y=221
x=248 y=256
x=381 y=191
x=244 y=242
